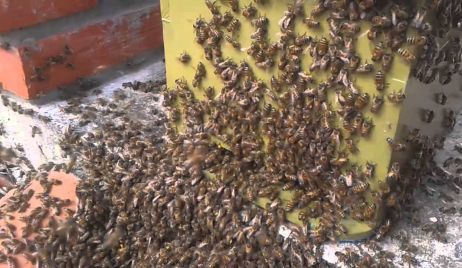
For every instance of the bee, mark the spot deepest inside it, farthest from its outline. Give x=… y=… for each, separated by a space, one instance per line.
x=378 y=51
x=365 y=68
x=318 y=10
x=354 y=63
x=387 y=61
x=383 y=229
x=381 y=21
x=226 y=19
x=200 y=74
x=249 y=11
x=369 y=211
x=210 y=93
x=233 y=25
x=36 y=130
x=380 y=81
x=361 y=101
x=350 y=27
x=201 y=36
x=369 y=170
x=358 y=121
x=233 y=42
x=261 y=22
x=182 y=84
x=322 y=46
x=234 y=5
x=441 y=98
x=351 y=146
x=304 y=215
x=212 y=6
x=449 y=120
x=373 y=33
x=419 y=40
x=377 y=103
x=406 y=54
x=396 y=146
x=366 y=127
x=396 y=97
x=428 y=115
x=266 y=64
x=184 y=57
x=290 y=205
x=311 y=23
x=360 y=187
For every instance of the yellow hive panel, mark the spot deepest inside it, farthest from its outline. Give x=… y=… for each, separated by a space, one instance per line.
x=178 y=18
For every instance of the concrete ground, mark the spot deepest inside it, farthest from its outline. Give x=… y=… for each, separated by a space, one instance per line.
x=412 y=233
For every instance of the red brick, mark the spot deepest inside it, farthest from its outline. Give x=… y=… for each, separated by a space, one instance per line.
x=15 y=14
x=94 y=48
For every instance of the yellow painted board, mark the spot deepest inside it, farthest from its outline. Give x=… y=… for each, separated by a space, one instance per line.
x=178 y=17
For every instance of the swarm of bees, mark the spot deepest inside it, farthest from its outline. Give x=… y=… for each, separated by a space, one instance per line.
x=187 y=199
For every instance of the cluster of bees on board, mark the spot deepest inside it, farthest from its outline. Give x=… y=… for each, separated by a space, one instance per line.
x=286 y=134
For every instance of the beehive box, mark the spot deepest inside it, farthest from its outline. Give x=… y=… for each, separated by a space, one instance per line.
x=392 y=121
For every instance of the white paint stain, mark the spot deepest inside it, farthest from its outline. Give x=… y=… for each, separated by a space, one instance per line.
x=398 y=80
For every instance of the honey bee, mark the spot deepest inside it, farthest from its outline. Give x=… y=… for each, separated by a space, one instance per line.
x=212 y=6
x=210 y=93
x=369 y=170
x=234 y=5
x=380 y=81
x=381 y=21
x=304 y=215
x=373 y=33
x=383 y=229
x=366 y=127
x=406 y=54
x=182 y=84
x=378 y=51
x=361 y=101
x=350 y=27
x=233 y=25
x=365 y=68
x=261 y=22
x=369 y=211
x=322 y=46
x=419 y=40
x=318 y=10
x=290 y=205
x=396 y=146
x=200 y=74
x=396 y=97
x=201 y=35
x=360 y=187
x=266 y=64
x=288 y=186
x=351 y=146
x=441 y=98
x=184 y=57
x=354 y=63
x=449 y=120
x=428 y=115
x=311 y=23
x=377 y=103
x=233 y=42
x=387 y=61
x=357 y=121
x=249 y=11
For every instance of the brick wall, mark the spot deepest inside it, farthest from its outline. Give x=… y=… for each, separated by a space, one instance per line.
x=47 y=44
